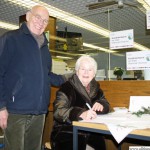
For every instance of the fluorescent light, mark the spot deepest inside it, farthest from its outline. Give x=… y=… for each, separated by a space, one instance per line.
x=8 y=26
x=24 y=3
x=145 y=4
x=98 y=48
x=148 y=2
x=140 y=47
x=58 y=38
x=66 y=53
x=64 y=57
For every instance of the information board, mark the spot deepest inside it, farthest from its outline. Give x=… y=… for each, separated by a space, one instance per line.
x=139 y=60
x=121 y=39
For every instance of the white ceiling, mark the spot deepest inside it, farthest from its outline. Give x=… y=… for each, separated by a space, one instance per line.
x=118 y=19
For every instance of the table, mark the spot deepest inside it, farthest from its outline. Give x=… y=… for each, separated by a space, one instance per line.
x=101 y=128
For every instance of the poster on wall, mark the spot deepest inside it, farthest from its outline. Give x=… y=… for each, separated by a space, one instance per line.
x=121 y=39
x=148 y=19
x=139 y=60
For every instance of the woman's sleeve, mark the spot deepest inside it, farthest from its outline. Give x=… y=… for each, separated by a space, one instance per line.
x=61 y=107
x=64 y=111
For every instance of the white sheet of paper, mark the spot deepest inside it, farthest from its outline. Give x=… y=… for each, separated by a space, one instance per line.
x=137 y=102
x=119 y=133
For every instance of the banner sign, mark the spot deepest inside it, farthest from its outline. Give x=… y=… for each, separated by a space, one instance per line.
x=139 y=60
x=121 y=39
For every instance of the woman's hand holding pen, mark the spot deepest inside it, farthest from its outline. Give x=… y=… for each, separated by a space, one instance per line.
x=88 y=115
x=91 y=113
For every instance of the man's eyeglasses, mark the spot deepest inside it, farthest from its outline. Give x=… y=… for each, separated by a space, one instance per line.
x=39 y=18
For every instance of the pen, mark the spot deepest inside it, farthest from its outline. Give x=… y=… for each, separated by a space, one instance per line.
x=88 y=106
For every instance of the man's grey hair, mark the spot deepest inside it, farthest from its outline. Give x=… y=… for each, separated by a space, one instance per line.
x=88 y=59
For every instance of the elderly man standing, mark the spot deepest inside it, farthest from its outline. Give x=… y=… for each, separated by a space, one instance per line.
x=25 y=80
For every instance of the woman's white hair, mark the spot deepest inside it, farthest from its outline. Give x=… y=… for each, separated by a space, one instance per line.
x=88 y=59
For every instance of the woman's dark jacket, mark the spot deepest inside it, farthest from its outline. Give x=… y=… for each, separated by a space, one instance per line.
x=71 y=101
x=25 y=76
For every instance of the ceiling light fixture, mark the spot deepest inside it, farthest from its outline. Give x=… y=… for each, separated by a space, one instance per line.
x=145 y=4
x=98 y=48
x=70 y=18
x=120 y=3
x=8 y=26
x=64 y=57
x=66 y=53
x=148 y=2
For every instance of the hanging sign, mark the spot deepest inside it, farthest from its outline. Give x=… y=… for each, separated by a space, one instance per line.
x=139 y=60
x=148 y=19
x=121 y=39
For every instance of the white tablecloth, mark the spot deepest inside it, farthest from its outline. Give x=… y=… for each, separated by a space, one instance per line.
x=120 y=124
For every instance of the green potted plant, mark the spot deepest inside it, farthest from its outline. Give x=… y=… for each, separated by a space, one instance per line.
x=118 y=71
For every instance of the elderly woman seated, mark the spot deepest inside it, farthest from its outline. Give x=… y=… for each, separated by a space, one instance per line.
x=71 y=105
